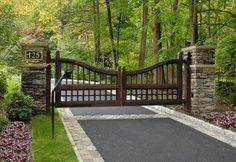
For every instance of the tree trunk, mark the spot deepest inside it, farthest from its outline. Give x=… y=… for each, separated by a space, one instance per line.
x=157 y=45
x=200 y=20
x=193 y=21
x=144 y=34
x=60 y=41
x=173 y=34
x=118 y=36
x=115 y=62
x=209 y=19
x=96 y=9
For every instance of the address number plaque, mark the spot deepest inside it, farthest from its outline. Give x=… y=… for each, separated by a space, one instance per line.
x=34 y=56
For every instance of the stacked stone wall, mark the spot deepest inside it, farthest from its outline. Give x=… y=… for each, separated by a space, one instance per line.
x=34 y=83
x=202 y=77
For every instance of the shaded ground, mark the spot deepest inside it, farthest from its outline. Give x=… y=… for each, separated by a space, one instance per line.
x=162 y=140
x=114 y=110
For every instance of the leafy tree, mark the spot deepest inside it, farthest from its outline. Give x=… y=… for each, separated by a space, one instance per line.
x=9 y=35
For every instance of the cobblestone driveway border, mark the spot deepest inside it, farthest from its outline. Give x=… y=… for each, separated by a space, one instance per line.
x=82 y=145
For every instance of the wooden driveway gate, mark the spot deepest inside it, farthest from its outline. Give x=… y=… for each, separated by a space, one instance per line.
x=159 y=84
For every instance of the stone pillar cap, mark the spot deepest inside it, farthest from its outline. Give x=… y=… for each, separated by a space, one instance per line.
x=35 y=43
x=194 y=48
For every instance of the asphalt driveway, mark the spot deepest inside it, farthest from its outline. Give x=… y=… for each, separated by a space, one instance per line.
x=154 y=140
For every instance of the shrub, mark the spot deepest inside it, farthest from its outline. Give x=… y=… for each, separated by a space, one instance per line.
x=3 y=84
x=18 y=106
x=226 y=58
x=3 y=121
x=232 y=98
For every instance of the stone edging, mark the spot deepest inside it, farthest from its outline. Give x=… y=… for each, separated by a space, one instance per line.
x=221 y=134
x=82 y=145
x=113 y=117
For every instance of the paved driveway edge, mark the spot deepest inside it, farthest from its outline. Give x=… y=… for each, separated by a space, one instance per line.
x=82 y=145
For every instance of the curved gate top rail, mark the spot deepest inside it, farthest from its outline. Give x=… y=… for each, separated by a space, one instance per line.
x=82 y=64
x=161 y=83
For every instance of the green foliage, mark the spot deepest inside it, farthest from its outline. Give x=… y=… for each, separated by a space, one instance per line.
x=226 y=58
x=3 y=84
x=226 y=65
x=18 y=106
x=170 y=53
x=3 y=121
x=77 y=50
x=9 y=34
x=3 y=118
x=232 y=98
x=129 y=61
x=71 y=27
x=13 y=84
x=217 y=20
x=226 y=92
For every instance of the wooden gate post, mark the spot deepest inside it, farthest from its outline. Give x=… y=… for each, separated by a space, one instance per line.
x=180 y=76
x=187 y=84
x=123 y=90
x=36 y=74
x=119 y=93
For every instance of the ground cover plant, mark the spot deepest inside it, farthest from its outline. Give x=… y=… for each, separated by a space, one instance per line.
x=47 y=149
x=222 y=119
x=15 y=143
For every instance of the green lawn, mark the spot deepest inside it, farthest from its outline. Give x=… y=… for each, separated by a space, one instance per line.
x=46 y=149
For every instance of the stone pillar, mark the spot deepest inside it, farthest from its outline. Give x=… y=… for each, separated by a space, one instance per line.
x=202 y=77
x=36 y=74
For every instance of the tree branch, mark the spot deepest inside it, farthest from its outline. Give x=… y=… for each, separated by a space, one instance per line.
x=218 y=10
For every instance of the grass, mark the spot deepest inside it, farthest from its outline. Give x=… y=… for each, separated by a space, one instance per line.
x=46 y=149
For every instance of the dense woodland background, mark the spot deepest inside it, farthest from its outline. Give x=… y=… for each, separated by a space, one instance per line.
x=127 y=33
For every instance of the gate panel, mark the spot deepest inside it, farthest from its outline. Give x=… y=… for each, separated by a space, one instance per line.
x=158 y=84
x=89 y=86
